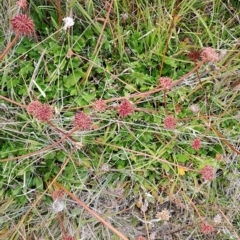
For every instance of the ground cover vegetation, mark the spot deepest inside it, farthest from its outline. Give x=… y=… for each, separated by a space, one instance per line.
x=119 y=119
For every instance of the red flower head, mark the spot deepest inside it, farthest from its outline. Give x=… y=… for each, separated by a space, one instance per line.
x=22 y=4
x=206 y=228
x=166 y=83
x=33 y=107
x=82 y=121
x=58 y=194
x=196 y=143
x=207 y=173
x=125 y=108
x=209 y=54
x=43 y=112
x=170 y=122
x=194 y=55
x=99 y=105
x=23 y=24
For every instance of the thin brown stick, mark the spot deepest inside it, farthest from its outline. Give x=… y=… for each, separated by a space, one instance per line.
x=194 y=206
x=12 y=101
x=229 y=223
x=189 y=73
x=9 y=46
x=61 y=224
x=169 y=35
x=61 y=131
x=59 y=14
x=219 y=134
x=92 y=212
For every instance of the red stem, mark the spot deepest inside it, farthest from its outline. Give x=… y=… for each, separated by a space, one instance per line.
x=11 y=101
x=82 y=204
x=9 y=46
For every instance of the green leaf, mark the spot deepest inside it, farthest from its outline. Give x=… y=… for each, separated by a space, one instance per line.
x=166 y=167
x=182 y=158
x=37 y=182
x=73 y=78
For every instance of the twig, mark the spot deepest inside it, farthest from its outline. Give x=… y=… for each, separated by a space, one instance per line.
x=92 y=212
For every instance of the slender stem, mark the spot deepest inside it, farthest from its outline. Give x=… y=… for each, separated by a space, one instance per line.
x=9 y=46
x=11 y=101
x=194 y=206
x=155 y=90
x=61 y=224
x=82 y=204
x=169 y=35
x=61 y=131
x=219 y=134
x=189 y=73
x=59 y=12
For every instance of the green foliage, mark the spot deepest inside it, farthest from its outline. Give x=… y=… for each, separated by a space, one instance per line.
x=135 y=155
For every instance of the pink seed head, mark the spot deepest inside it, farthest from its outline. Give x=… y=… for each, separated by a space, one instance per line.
x=58 y=194
x=82 y=121
x=206 y=228
x=169 y=122
x=43 y=112
x=194 y=55
x=22 y=4
x=166 y=83
x=99 y=105
x=209 y=54
x=196 y=144
x=33 y=107
x=207 y=173
x=23 y=24
x=125 y=108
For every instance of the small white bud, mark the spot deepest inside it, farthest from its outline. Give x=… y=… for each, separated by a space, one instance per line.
x=68 y=22
x=194 y=108
x=217 y=219
x=58 y=206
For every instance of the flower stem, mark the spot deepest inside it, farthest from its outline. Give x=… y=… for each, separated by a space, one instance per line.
x=12 y=101
x=9 y=46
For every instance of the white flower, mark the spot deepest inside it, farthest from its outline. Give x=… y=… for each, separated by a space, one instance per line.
x=58 y=206
x=164 y=215
x=195 y=108
x=217 y=219
x=68 y=22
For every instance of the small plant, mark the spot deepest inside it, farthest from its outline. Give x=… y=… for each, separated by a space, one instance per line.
x=22 y=24
x=206 y=228
x=125 y=108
